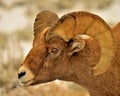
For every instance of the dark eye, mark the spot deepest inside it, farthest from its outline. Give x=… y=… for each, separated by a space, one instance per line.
x=54 y=50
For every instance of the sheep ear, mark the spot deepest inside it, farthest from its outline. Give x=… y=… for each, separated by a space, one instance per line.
x=44 y=20
x=76 y=45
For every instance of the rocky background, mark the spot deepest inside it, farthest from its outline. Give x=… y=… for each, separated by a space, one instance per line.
x=16 y=35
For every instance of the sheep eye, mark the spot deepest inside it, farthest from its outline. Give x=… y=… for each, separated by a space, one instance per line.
x=54 y=51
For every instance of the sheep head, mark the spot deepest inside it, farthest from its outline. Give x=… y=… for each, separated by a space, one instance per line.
x=56 y=41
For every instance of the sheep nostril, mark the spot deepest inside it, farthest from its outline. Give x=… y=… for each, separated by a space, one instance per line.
x=21 y=74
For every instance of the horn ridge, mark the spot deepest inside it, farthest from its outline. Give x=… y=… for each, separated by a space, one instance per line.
x=60 y=28
x=43 y=20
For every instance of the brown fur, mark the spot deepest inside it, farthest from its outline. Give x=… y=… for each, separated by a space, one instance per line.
x=76 y=67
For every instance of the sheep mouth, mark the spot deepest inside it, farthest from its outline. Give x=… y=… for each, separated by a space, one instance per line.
x=27 y=83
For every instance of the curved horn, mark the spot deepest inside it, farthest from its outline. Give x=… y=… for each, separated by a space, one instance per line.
x=90 y=24
x=43 y=20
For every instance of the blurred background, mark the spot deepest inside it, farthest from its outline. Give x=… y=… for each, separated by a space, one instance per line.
x=16 y=35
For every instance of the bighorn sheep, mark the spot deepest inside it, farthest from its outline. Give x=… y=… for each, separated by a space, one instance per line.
x=78 y=47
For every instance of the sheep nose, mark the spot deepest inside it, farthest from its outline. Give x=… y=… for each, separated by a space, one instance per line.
x=21 y=74
x=25 y=74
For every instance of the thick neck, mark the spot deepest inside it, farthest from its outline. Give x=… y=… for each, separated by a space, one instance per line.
x=81 y=72
x=105 y=84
